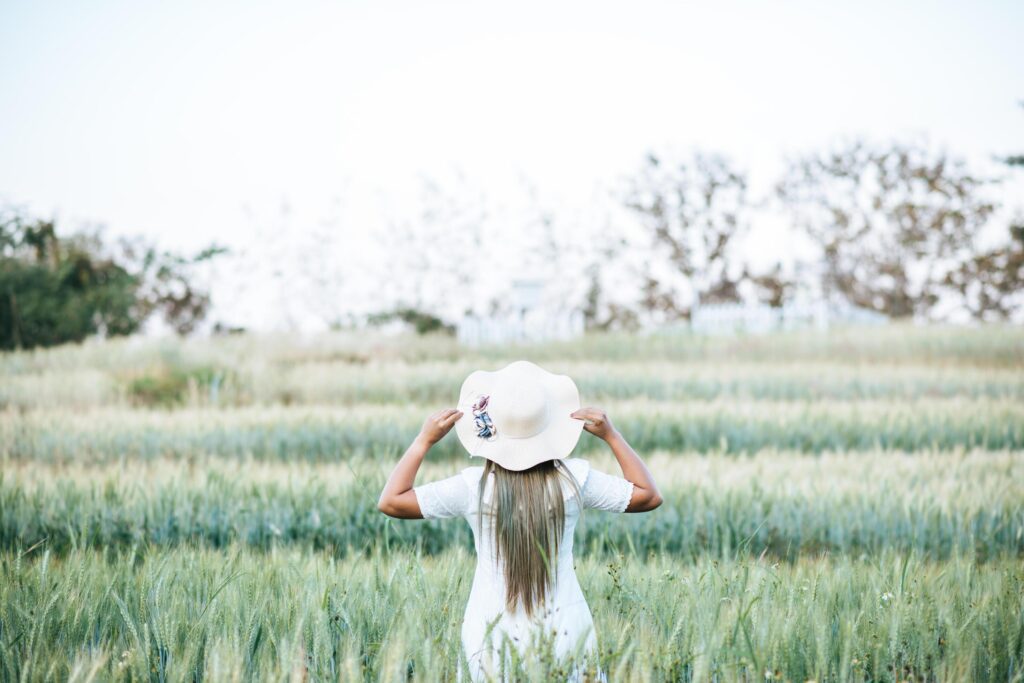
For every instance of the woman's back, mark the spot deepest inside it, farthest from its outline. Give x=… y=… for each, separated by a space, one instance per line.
x=522 y=506
x=564 y=614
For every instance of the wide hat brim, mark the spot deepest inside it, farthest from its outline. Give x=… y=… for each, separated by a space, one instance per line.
x=556 y=440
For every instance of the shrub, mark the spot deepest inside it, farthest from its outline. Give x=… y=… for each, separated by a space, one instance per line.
x=167 y=386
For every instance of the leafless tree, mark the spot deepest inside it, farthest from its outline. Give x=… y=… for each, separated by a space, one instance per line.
x=692 y=211
x=991 y=283
x=892 y=223
x=438 y=250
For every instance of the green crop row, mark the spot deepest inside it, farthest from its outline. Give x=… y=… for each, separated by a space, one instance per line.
x=325 y=434
x=984 y=346
x=937 y=505
x=231 y=614
x=399 y=383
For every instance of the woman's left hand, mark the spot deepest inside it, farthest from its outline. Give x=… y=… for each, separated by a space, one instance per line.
x=439 y=424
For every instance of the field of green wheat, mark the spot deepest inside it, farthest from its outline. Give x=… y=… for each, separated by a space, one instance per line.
x=838 y=506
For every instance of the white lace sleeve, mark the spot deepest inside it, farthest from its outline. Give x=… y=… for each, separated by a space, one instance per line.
x=606 y=492
x=443 y=498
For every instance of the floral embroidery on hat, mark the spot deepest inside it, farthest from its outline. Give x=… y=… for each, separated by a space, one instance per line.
x=485 y=428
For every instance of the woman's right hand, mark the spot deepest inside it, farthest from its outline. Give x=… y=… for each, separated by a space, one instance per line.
x=596 y=421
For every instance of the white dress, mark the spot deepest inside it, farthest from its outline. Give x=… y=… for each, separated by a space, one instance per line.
x=565 y=614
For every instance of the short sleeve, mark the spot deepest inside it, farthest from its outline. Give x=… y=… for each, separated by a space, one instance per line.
x=444 y=498
x=606 y=492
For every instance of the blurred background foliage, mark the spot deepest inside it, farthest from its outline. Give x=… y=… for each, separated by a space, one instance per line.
x=897 y=229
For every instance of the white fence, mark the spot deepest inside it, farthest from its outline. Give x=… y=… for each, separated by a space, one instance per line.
x=761 y=318
x=535 y=326
x=526 y=327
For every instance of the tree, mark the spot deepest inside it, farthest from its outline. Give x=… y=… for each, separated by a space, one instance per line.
x=166 y=283
x=56 y=290
x=440 y=262
x=771 y=287
x=892 y=223
x=691 y=213
x=293 y=272
x=991 y=283
x=601 y=310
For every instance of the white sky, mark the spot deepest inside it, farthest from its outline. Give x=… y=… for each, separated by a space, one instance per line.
x=196 y=121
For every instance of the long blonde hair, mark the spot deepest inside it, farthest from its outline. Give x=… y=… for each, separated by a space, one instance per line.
x=528 y=511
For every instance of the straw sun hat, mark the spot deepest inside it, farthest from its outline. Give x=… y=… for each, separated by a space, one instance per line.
x=518 y=416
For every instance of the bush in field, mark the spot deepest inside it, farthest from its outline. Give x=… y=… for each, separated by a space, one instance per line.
x=168 y=386
x=421 y=321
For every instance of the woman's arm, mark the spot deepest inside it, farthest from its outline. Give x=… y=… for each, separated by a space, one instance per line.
x=398 y=499
x=645 y=492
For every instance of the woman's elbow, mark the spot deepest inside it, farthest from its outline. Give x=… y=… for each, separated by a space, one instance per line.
x=644 y=501
x=652 y=501
x=386 y=506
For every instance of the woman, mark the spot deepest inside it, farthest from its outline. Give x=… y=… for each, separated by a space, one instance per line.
x=522 y=505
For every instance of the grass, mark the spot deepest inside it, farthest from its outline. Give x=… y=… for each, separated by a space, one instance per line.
x=841 y=506
x=326 y=434
x=782 y=505
x=234 y=614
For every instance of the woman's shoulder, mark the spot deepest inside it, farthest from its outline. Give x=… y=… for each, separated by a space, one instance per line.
x=472 y=474
x=579 y=467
